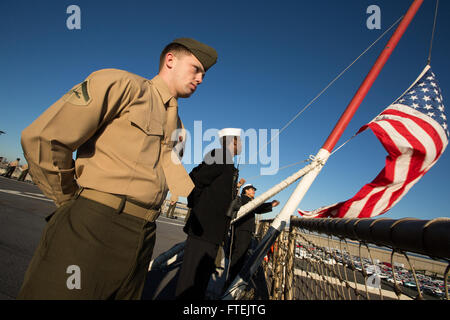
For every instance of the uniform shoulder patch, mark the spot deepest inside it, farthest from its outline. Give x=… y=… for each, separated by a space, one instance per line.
x=79 y=95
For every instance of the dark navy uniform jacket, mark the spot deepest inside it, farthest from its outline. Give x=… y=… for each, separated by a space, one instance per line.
x=215 y=188
x=247 y=223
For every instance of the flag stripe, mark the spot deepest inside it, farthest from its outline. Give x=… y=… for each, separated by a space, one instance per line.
x=411 y=163
x=386 y=176
x=433 y=149
x=438 y=137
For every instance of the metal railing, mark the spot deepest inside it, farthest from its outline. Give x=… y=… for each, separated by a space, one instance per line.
x=359 y=259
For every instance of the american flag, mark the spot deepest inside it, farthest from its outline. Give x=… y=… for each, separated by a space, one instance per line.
x=414 y=132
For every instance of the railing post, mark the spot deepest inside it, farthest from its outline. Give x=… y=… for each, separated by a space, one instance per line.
x=289 y=282
x=275 y=269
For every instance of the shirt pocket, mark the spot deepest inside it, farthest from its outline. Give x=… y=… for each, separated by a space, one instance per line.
x=147 y=121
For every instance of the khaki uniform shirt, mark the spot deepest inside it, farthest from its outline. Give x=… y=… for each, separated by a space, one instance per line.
x=116 y=121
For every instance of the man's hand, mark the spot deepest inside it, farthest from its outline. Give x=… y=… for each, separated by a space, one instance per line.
x=241 y=182
x=275 y=203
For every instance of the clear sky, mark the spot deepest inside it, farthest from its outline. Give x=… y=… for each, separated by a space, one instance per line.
x=274 y=57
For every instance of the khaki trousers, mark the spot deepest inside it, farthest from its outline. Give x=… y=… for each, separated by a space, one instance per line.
x=90 y=251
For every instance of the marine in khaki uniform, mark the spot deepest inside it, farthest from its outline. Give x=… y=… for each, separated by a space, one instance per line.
x=123 y=127
x=171 y=208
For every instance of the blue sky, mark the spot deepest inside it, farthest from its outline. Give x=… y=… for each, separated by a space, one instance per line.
x=274 y=57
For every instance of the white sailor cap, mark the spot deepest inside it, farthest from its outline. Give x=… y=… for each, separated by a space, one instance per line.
x=233 y=132
x=248 y=186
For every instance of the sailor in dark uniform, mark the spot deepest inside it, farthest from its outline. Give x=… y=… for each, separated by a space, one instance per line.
x=243 y=231
x=215 y=189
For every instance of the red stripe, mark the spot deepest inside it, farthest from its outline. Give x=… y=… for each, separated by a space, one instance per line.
x=427 y=127
x=384 y=178
x=366 y=212
x=363 y=193
x=416 y=159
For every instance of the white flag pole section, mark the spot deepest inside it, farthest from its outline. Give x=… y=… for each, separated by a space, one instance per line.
x=294 y=200
x=241 y=281
x=275 y=190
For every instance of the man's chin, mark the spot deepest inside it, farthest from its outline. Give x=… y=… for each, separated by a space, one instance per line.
x=186 y=95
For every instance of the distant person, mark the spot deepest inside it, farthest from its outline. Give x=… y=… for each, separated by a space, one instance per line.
x=1 y=165
x=243 y=231
x=11 y=168
x=24 y=172
x=171 y=209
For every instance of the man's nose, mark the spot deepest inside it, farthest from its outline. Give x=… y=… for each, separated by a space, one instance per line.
x=199 y=78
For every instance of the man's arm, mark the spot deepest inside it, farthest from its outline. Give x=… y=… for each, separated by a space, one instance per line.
x=207 y=174
x=48 y=143
x=266 y=207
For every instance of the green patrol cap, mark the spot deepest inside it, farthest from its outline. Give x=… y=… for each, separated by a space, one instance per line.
x=204 y=53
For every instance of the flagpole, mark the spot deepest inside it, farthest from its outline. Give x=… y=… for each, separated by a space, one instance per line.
x=322 y=156
x=333 y=138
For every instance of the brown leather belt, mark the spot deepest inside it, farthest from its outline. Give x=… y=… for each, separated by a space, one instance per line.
x=115 y=202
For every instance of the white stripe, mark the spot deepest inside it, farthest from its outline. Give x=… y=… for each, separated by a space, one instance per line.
x=401 y=170
x=423 y=137
x=441 y=132
x=356 y=208
x=312 y=214
x=428 y=162
x=438 y=128
x=399 y=177
x=412 y=183
x=407 y=188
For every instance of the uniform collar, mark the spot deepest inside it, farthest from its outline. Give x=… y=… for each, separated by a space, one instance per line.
x=223 y=156
x=163 y=91
x=245 y=196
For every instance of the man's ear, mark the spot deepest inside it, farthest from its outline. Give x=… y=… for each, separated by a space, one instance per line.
x=169 y=60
